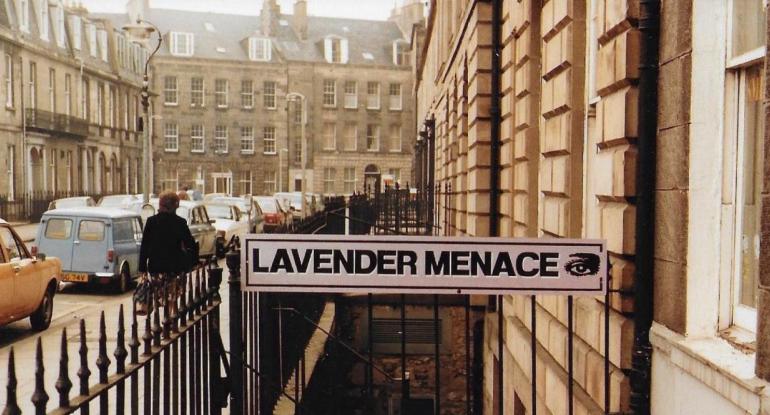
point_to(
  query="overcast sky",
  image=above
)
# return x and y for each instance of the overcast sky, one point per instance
(360, 9)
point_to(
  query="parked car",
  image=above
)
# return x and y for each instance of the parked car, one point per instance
(272, 215)
(211, 196)
(227, 221)
(294, 202)
(72, 202)
(283, 205)
(28, 283)
(250, 211)
(198, 221)
(95, 244)
(117, 201)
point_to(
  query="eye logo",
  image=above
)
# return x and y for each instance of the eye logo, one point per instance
(582, 265)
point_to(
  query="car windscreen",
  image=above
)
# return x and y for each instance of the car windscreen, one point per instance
(268, 205)
(58, 228)
(91, 230)
(219, 211)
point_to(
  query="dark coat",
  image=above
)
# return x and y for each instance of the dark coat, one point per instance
(165, 238)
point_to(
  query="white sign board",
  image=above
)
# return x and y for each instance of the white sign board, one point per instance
(423, 264)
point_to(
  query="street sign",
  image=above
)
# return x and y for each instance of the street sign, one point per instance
(423, 265)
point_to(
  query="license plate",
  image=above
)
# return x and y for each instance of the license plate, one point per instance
(75, 277)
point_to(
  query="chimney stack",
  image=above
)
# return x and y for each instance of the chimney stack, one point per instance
(299, 19)
(271, 13)
(412, 12)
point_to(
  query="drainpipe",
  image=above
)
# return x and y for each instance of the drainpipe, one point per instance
(645, 205)
(494, 113)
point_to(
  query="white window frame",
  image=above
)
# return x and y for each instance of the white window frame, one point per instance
(45, 29)
(170, 90)
(170, 137)
(247, 140)
(218, 94)
(376, 136)
(99, 103)
(103, 45)
(221, 138)
(348, 181)
(395, 102)
(330, 91)
(269, 182)
(67, 94)
(342, 57)
(182, 44)
(9, 88)
(76, 28)
(24, 15)
(197, 137)
(260, 49)
(93, 50)
(346, 137)
(330, 174)
(351, 95)
(372, 99)
(52, 90)
(33, 85)
(400, 137)
(111, 106)
(194, 91)
(268, 140)
(400, 53)
(326, 143)
(268, 95)
(247, 94)
(60, 31)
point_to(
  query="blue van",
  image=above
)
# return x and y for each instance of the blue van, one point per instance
(95, 245)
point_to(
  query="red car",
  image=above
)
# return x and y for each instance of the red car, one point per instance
(272, 215)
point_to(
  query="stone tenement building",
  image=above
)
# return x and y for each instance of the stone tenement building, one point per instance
(223, 122)
(70, 89)
(577, 127)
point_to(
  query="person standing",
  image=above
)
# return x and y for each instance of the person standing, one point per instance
(168, 248)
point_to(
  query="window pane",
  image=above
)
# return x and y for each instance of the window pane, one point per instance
(748, 26)
(91, 230)
(58, 229)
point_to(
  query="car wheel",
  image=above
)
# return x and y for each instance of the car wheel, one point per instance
(124, 280)
(41, 318)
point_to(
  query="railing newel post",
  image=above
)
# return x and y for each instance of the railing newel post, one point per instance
(63, 382)
(103, 363)
(120, 360)
(39, 397)
(11, 404)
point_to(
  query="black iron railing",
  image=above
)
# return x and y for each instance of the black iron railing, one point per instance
(46, 121)
(30, 206)
(171, 361)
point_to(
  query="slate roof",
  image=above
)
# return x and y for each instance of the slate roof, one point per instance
(231, 31)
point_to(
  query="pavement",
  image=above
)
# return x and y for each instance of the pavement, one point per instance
(70, 306)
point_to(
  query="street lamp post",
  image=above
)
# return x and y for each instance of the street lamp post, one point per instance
(292, 97)
(143, 30)
(280, 167)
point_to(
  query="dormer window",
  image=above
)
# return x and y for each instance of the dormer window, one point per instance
(336, 49)
(400, 53)
(92, 39)
(43, 19)
(24, 15)
(76, 30)
(182, 44)
(259, 49)
(60, 33)
(103, 44)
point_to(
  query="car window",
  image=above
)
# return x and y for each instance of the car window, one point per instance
(196, 216)
(91, 230)
(137, 224)
(122, 231)
(57, 228)
(15, 251)
(204, 215)
(236, 213)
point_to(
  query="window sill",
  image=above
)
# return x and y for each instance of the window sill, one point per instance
(197, 151)
(269, 153)
(247, 152)
(396, 109)
(372, 109)
(394, 151)
(168, 104)
(271, 108)
(351, 108)
(171, 151)
(714, 362)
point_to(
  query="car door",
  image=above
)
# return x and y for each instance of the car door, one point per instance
(27, 274)
(208, 233)
(124, 243)
(55, 240)
(136, 223)
(6, 286)
(89, 250)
